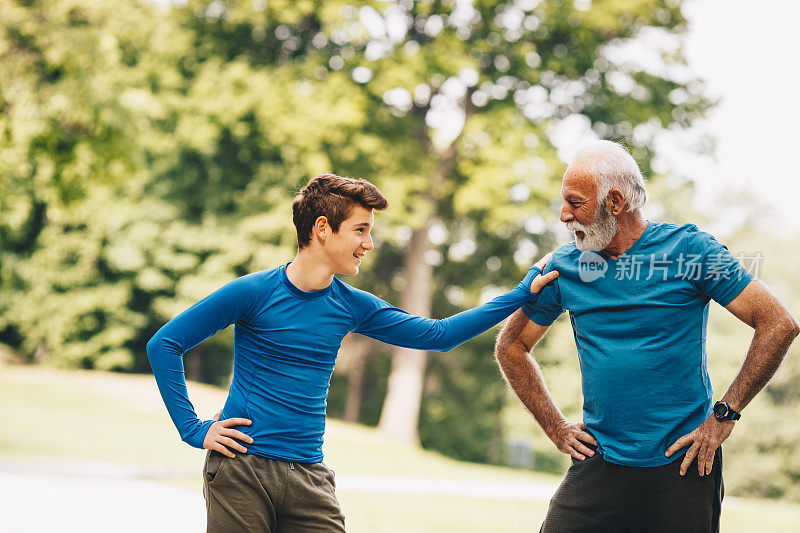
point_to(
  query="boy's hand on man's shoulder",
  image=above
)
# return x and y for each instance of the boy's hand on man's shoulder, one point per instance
(540, 280)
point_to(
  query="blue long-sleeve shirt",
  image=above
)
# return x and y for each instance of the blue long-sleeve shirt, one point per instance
(285, 347)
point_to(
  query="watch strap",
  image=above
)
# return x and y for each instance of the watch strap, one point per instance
(730, 414)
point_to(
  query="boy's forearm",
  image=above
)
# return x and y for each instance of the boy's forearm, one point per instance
(166, 361)
(166, 349)
(397, 327)
(465, 325)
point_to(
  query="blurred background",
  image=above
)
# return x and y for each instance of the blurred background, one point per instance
(149, 153)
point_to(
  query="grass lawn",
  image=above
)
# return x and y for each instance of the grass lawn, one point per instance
(77, 416)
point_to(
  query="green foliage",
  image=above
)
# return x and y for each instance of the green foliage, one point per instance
(461, 409)
(149, 155)
(512, 72)
(761, 450)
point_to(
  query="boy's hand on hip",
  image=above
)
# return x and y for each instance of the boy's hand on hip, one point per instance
(220, 436)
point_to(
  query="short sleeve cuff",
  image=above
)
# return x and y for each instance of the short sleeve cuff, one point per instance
(727, 296)
(538, 317)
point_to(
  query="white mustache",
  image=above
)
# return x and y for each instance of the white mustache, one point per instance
(573, 225)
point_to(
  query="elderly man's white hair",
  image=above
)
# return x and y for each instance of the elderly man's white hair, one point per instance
(615, 169)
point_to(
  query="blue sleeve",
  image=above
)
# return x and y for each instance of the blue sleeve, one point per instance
(718, 274)
(384, 322)
(547, 308)
(215, 312)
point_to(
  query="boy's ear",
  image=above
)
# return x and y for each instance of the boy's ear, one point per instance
(321, 228)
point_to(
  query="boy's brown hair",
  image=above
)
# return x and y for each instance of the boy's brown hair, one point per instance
(333, 197)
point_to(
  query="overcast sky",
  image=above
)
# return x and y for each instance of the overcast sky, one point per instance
(748, 53)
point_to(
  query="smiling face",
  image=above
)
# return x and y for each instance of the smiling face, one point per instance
(590, 219)
(344, 249)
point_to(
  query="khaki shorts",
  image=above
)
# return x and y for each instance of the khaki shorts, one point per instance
(257, 494)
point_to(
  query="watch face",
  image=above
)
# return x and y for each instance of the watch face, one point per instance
(720, 410)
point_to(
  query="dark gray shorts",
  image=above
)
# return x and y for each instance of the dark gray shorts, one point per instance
(253, 493)
(598, 496)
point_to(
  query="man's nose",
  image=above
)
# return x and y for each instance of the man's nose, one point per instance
(566, 213)
(367, 244)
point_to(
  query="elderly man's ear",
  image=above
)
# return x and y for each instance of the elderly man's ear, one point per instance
(615, 202)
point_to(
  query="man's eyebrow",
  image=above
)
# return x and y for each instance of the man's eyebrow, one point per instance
(362, 224)
(573, 196)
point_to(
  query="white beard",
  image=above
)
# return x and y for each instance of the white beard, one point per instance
(598, 235)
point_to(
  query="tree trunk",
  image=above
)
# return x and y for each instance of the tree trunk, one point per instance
(494, 452)
(42, 353)
(354, 349)
(193, 364)
(400, 413)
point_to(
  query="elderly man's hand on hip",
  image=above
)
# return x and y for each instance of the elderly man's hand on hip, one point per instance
(704, 443)
(567, 437)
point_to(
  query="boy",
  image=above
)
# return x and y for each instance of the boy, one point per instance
(290, 321)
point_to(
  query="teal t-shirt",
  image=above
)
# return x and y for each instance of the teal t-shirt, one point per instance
(640, 329)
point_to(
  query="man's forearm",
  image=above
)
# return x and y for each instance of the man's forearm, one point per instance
(770, 343)
(524, 377)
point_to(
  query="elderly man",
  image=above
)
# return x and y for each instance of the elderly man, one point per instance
(647, 455)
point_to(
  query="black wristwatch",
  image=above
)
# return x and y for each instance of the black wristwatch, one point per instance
(723, 411)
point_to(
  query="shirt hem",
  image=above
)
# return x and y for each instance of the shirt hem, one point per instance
(268, 455)
(644, 464)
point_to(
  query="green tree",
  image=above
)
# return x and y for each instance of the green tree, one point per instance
(70, 83)
(476, 87)
(198, 122)
(457, 98)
